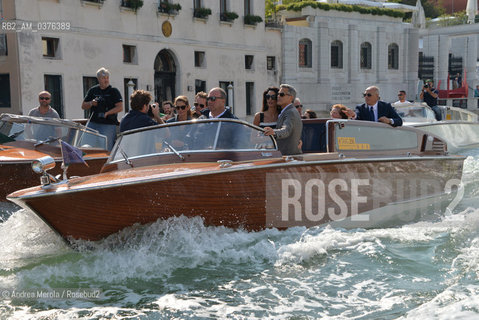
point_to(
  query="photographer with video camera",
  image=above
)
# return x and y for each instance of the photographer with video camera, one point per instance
(429, 95)
(105, 102)
(138, 116)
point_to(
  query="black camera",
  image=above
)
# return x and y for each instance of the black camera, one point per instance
(150, 112)
(426, 86)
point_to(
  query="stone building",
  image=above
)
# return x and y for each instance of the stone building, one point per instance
(58, 45)
(332, 56)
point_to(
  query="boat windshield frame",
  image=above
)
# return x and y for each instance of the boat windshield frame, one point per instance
(117, 156)
(77, 134)
(430, 115)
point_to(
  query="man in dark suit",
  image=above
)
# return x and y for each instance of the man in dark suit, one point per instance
(375, 110)
(289, 126)
(216, 101)
(204, 134)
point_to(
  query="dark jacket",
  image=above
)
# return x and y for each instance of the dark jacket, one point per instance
(227, 114)
(384, 110)
(135, 119)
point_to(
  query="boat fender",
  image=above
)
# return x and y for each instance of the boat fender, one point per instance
(341, 156)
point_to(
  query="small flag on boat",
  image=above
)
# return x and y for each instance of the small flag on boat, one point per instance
(71, 154)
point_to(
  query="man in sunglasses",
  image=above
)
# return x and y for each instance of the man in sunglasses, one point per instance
(299, 107)
(429, 94)
(44, 109)
(375, 110)
(289, 126)
(402, 99)
(217, 105)
(200, 104)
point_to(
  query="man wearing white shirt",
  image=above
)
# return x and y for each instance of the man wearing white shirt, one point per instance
(402, 99)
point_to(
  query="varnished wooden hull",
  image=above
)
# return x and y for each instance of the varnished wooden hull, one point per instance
(16, 165)
(16, 176)
(246, 195)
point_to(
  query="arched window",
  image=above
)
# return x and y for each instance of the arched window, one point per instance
(393, 56)
(337, 54)
(305, 50)
(366, 58)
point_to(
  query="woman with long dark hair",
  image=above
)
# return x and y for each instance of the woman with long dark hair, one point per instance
(270, 111)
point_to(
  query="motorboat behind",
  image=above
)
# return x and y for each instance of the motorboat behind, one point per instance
(459, 129)
(24, 139)
(229, 174)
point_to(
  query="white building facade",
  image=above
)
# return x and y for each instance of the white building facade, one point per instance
(332, 56)
(168, 54)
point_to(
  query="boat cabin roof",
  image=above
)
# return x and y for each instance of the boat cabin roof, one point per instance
(360, 138)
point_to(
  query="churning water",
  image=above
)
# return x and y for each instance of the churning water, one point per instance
(180, 269)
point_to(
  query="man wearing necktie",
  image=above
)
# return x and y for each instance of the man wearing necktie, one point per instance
(375, 110)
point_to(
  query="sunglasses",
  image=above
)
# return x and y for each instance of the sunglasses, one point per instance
(400, 95)
(44, 98)
(299, 106)
(200, 105)
(270, 96)
(367, 94)
(180, 107)
(282, 94)
(213, 98)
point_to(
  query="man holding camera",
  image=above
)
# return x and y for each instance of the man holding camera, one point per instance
(138, 116)
(429, 95)
(105, 102)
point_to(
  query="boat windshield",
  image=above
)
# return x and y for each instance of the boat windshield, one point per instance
(415, 113)
(192, 136)
(49, 132)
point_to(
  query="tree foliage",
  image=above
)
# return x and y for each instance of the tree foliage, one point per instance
(432, 8)
(299, 5)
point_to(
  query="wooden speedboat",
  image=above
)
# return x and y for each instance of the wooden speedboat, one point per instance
(459, 129)
(24, 139)
(227, 172)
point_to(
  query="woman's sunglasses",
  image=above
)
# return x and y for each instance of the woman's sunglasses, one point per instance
(199, 104)
(270, 96)
(180, 107)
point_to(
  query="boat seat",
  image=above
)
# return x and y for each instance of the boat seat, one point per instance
(314, 136)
